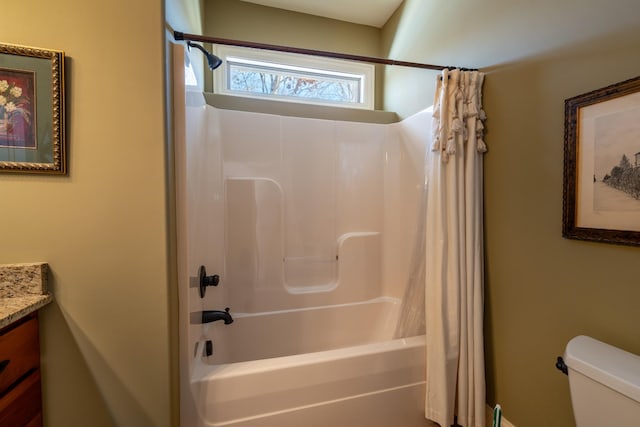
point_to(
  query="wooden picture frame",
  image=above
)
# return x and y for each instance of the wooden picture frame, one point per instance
(32, 138)
(601, 191)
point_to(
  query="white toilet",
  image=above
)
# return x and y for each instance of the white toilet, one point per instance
(604, 383)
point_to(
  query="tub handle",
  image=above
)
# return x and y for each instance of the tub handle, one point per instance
(206, 280)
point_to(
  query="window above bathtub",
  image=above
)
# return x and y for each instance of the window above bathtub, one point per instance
(254, 73)
(190, 79)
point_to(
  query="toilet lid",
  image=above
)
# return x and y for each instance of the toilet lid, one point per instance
(609, 365)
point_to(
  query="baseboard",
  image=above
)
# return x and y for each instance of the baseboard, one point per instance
(489, 423)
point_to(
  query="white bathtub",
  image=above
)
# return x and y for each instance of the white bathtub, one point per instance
(323, 366)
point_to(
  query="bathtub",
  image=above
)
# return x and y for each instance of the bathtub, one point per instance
(333, 365)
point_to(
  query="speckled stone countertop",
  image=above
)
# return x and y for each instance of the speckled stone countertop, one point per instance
(23, 290)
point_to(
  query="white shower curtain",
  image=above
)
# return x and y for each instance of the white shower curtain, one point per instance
(455, 384)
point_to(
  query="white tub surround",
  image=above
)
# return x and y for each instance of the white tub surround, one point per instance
(257, 336)
(379, 384)
(309, 225)
(311, 366)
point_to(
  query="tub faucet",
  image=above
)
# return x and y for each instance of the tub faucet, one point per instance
(209, 316)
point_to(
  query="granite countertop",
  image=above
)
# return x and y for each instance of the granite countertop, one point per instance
(23, 290)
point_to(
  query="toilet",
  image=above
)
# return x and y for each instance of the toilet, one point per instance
(604, 382)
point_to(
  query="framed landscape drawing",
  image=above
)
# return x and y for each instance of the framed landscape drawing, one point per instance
(601, 194)
(32, 110)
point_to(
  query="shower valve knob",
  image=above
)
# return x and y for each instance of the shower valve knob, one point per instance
(207, 280)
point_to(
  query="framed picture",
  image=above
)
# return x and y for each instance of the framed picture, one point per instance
(32, 110)
(601, 197)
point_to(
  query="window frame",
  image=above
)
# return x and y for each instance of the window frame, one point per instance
(329, 65)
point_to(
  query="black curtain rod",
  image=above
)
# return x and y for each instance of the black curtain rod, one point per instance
(215, 40)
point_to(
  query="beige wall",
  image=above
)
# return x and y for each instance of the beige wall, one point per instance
(251, 22)
(541, 289)
(102, 228)
(239, 20)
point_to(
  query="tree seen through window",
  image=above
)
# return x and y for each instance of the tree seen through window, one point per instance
(278, 83)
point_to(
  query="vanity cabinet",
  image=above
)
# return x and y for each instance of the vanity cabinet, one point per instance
(20, 390)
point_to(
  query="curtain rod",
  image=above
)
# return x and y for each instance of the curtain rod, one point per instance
(215, 40)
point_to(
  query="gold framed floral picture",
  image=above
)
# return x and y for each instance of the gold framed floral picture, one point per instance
(602, 165)
(32, 138)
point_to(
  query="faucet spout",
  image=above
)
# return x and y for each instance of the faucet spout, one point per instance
(209, 316)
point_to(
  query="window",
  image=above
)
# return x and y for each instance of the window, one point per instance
(296, 78)
(189, 75)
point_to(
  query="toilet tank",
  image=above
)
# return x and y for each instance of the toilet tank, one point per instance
(604, 383)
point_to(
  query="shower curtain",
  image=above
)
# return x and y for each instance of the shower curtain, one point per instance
(455, 384)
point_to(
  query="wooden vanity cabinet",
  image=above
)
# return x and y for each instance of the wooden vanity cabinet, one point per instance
(20, 390)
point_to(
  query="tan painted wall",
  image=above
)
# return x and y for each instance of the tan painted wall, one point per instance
(247, 21)
(102, 229)
(240, 20)
(541, 289)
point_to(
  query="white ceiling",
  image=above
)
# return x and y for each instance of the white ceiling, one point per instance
(368, 12)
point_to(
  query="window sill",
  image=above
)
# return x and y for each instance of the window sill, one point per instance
(294, 109)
